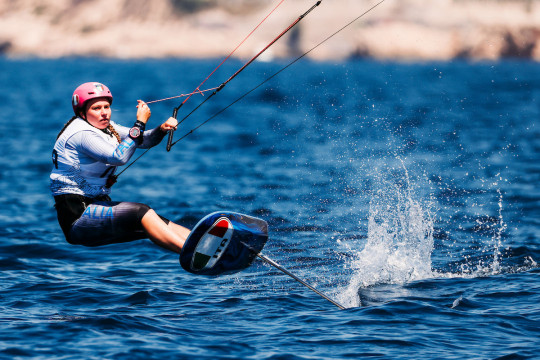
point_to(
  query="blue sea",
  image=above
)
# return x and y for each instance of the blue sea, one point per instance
(407, 192)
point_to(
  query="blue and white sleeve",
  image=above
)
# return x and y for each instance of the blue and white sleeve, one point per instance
(152, 137)
(94, 146)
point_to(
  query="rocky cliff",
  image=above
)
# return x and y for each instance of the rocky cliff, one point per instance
(396, 29)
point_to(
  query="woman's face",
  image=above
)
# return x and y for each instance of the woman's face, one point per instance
(99, 113)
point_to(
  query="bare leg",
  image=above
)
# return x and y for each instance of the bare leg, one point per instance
(170, 237)
(179, 230)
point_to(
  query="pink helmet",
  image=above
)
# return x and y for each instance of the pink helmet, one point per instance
(88, 91)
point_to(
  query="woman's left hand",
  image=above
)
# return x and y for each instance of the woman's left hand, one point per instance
(170, 124)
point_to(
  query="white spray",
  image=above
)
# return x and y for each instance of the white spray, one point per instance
(399, 241)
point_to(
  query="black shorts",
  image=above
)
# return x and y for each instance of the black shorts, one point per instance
(92, 222)
(109, 222)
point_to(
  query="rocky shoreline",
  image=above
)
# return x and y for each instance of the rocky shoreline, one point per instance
(410, 30)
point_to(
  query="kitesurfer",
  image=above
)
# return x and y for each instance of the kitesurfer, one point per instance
(85, 156)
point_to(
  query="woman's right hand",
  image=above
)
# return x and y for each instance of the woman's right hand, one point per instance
(143, 112)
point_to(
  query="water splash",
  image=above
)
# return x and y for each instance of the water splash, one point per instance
(399, 241)
(498, 237)
(487, 232)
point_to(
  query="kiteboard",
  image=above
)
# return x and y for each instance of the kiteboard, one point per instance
(226, 242)
(222, 243)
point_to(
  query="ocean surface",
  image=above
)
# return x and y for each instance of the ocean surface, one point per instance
(407, 192)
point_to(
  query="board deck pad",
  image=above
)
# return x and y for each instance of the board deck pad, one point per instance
(219, 243)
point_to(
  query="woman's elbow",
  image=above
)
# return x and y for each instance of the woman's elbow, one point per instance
(117, 161)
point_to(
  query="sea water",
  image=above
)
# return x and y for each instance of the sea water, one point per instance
(406, 192)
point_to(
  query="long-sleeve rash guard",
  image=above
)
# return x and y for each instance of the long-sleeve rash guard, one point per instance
(84, 157)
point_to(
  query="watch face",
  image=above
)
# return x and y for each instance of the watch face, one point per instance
(134, 132)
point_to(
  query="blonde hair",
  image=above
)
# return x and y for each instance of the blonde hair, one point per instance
(113, 131)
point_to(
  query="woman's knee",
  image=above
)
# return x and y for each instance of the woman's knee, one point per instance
(154, 216)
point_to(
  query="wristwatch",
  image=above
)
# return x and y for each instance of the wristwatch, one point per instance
(136, 131)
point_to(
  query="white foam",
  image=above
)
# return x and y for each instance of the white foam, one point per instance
(399, 241)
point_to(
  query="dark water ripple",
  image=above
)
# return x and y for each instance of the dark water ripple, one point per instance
(408, 192)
